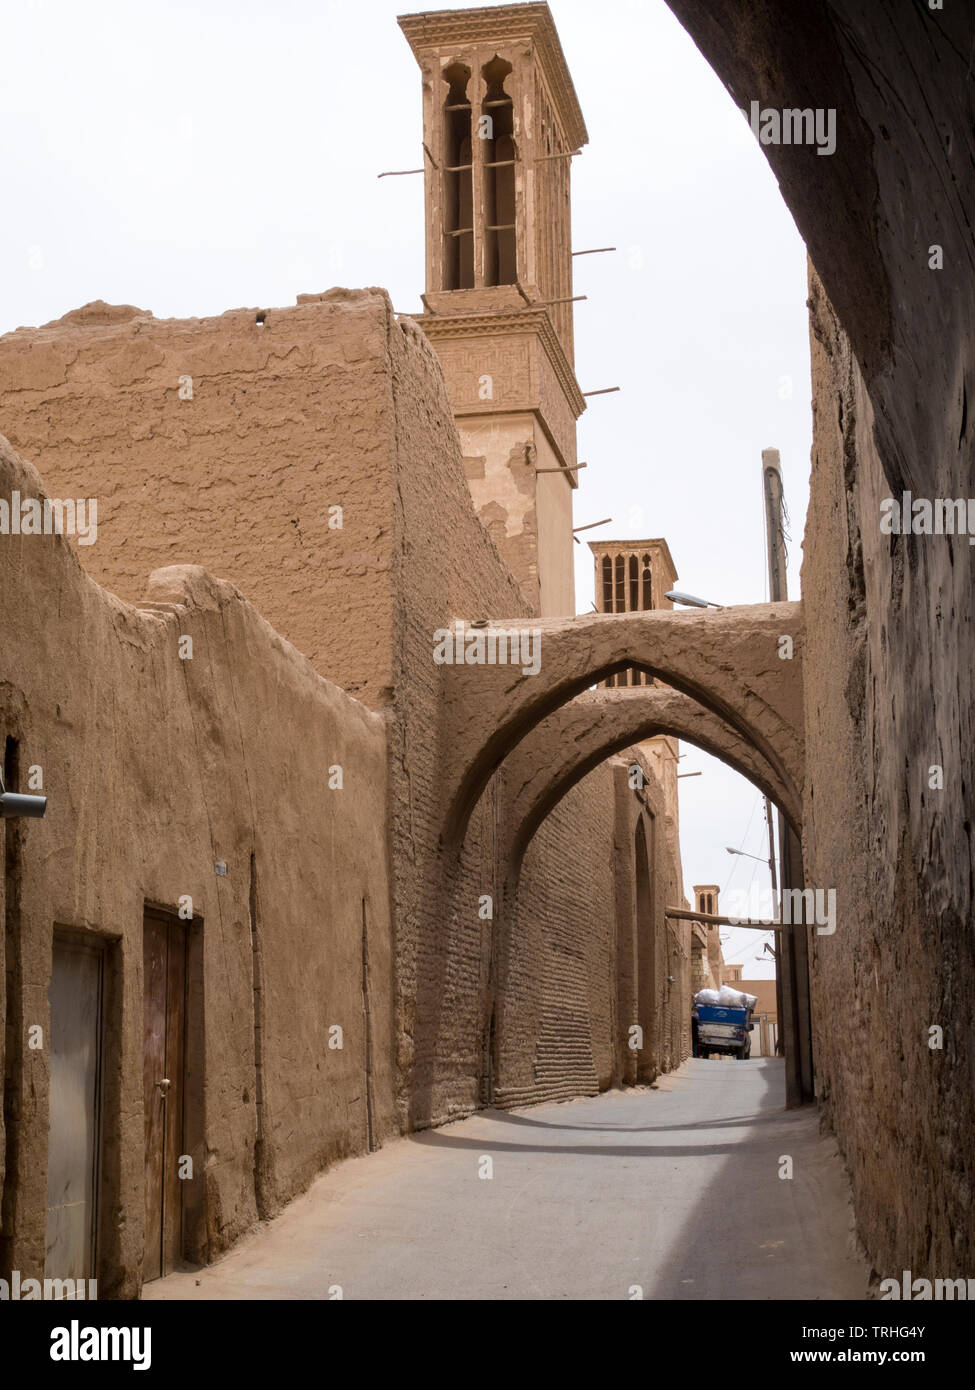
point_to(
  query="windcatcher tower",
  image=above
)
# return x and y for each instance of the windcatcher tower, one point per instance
(500, 124)
(632, 577)
(707, 962)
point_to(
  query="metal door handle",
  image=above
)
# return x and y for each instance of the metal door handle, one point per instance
(164, 1086)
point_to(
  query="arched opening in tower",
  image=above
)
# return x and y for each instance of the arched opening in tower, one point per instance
(497, 122)
(458, 182)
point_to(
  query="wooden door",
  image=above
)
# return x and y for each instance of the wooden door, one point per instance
(164, 964)
(73, 1112)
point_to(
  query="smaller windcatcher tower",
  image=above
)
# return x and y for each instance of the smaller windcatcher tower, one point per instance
(706, 898)
(632, 577)
(707, 962)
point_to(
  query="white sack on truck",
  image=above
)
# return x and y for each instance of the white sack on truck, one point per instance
(728, 998)
(707, 996)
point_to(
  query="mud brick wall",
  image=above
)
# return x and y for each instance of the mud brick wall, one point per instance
(580, 944)
(288, 417)
(559, 1007)
(156, 768)
(889, 619)
(889, 626)
(445, 951)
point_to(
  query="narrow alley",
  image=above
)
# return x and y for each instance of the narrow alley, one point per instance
(669, 1192)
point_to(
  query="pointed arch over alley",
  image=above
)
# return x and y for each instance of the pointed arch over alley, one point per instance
(742, 665)
(594, 726)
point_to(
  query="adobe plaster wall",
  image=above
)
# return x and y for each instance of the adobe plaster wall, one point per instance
(288, 418)
(156, 768)
(889, 644)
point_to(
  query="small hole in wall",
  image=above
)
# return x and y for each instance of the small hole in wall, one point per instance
(261, 317)
(964, 416)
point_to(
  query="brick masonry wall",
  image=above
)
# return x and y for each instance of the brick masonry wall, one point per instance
(567, 885)
(577, 948)
(559, 1006)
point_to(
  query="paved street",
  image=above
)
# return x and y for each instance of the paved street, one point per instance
(675, 1189)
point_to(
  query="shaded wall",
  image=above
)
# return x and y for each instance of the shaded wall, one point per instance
(890, 649)
(586, 954)
(889, 620)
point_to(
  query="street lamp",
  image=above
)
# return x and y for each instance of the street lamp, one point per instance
(690, 600)
(769, 862)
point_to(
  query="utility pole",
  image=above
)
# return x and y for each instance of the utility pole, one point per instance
(792, 957)
(777, 913)
(771, 858)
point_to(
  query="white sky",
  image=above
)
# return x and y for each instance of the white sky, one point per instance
(193, 158)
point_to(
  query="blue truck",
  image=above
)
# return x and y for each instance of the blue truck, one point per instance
(723, 1030)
